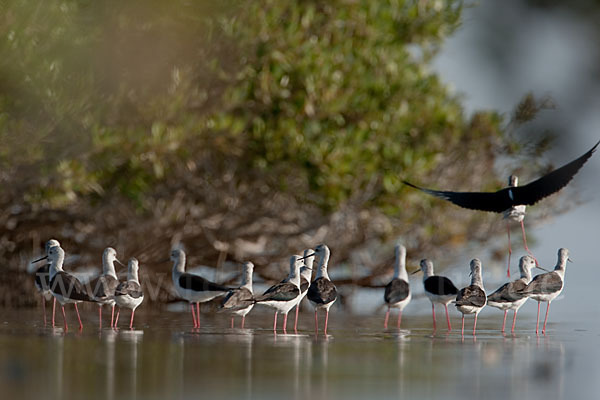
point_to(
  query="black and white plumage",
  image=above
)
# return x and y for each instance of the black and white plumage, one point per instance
(322, 293)
(42, 281)
(240, 301)
(509, 296)
(284, 295)
(65, 287)
(472, 299)
(397, 292)
(129, 294)
(103, 287)
(438, 289)
(512, 200)
(305, 275)
(546, 287)
(193, 288)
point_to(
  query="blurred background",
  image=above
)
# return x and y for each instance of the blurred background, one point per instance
(254, 130)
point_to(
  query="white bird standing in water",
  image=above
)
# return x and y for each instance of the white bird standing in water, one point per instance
(472, 299)
(240, 301)
(322, 293)
(397, 292)
(129, 294)
(42, 282)
(103, 287)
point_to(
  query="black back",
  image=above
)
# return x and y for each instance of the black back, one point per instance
(238, 298)
(42, 277)
(544, 283)
(509, 292)
(199, 284)
(130, 288)
(472, 295)
(69, 287)
(304, 284)
(396, 291)
(285, 291)
(440, 285)
(521, 195)
(104, 286)
(322, 291)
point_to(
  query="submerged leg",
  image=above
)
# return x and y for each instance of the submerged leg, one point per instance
(433, 313)
(462, 331)
(504, 321)
(475, 324)
(537, 321)
(296, 319)
(285, 323)
(100, 316)
(316, 323)
(112, 315)
(546, 319)
(65, 318)
(275, 323)
(44, 308)
(117, 318)
(326, 320)
(243, 320)
(448, 318)
(198, 311)
(131, 320)
(53, 309)
(387, 316)
(194, 315)
(514, 321)
(399, 319)
(231, 322)
(78, 317)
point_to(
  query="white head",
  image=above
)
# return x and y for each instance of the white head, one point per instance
(513, 181)
(526, 264)
(476, 278)
(51, 243)
(109, 256)
(248, 270)
(295, 263)
(56, 255)
(427, 268)
(133, 267)
(323, 252)
(563, 257)
(178, 258)
(309, 257)
(400, 262)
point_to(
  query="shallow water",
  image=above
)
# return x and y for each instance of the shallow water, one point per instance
(165, 358)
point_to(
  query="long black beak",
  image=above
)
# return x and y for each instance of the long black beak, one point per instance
(117, 260)
(569, 260)
(310, 255)
(543, 269)
(415, 272)
(39, 259)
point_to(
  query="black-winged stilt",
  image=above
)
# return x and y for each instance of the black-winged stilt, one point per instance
(305, 275)
(322, 293)
(103, 287)
(472, 299)
(193, 288)
(512, 200)
(397, 292)
(42, 282)
(129, 294)
(439, 289)
(240, 301)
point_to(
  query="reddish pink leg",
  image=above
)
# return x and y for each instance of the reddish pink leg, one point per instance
(100, 316)
(243, 320)
(504, 321)
(448, 318)
(231, 322)
(546, 319)
(462, 331)
(117, 318)
(198, 312)
(131, 320)
(275, 323)
(78, 317)
(475, 325)
(514, 321)
(399, 319)
(285, 323)
(537, 322)
(509, 248)
(112, 317)
(65, 319)
(44, 308)
(194, 315)
(296, 319)
(53, 309)
(433, 313)
(387, 316)
(326, 320)
(316, 323)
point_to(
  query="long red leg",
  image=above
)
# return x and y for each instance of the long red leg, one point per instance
(194, 315)
(285, 323)
(448, 318)
(509, 248)
(475, 325)
(316, 323)
(462, 331)
(387, 316)
(399, 319)
(243, 320)
(78, 317)
(433, 313)
(53, 309)
(112, 317)
(546, 319)
(231, 322)
(275, 323)
(198, 311)
(537, 322)
(100, 316)
(326, 320)
(504, 321)
(117, 318)
(65, 318)
(514, 321)
(296, 319)
(131, 320)
(44, 308)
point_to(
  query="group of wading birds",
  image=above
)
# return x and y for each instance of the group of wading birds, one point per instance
(52, 280)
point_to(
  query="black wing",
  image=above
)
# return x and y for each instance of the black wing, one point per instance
(440, 285)
(552, 182)
(304, 285)
(199, 284)
(69, 287)
(281, 292)
(484, 201)
(42, 277)
(322, 291)
(544, 283)
(130, 288)
(509, 292)
(472, 295)
(395, 291)
(238, 298)
(104, 286)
